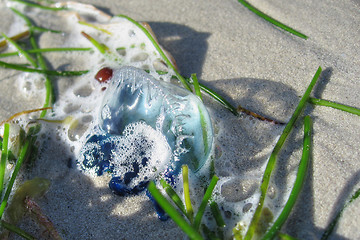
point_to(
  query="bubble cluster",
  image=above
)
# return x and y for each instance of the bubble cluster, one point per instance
(136, 155)
(127, 119)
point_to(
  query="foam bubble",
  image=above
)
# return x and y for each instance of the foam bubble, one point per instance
(142, 126)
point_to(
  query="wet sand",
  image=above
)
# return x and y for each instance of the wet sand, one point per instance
(257, 66)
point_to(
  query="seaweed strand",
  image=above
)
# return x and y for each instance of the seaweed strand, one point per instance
(205, 201)
(272, 20)
(42, 50)
(4, 156)
(169, 209)
(48, 72)
(329, 229)
(31, 4)
(173, 195)
(272, 160)
(161, 52)
(299, 181)
(189, 208)
(339, 106)
(25, 150)
(17, 230)
(21, 51)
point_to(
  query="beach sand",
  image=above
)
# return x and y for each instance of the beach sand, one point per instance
(255, 65)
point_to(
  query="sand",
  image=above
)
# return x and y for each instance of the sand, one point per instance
(257, 66)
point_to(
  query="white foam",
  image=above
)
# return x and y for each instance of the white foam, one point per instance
(141, 141)
(84, 109)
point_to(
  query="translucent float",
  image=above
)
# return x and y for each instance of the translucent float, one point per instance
(147, 128)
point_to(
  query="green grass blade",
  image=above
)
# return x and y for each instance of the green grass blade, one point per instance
(4, 156)
(41, 29)
(35, 5)
(205, 201)
(43, 50)
(17, 230)
(25, 18)
(161, 52)
(103, 49)
(49, 90)
(283, 236)
(65, 49)
(94, 26)
(219, 99)
(16, 37)
(171, 211)
(217, 214)
(339, 106)
(299, 181)
(329, 229)
(204, 128)
(189, 209)
(196, 85)
(49, 95)
(173, 195)
(208, 233)
(9, 54)
(22, 156)
(21, 51)
(272, 20)
(48, 72)
(215, 96)
(99, 46)
(272, 160)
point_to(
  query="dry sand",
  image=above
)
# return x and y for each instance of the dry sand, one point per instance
(252, 64)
